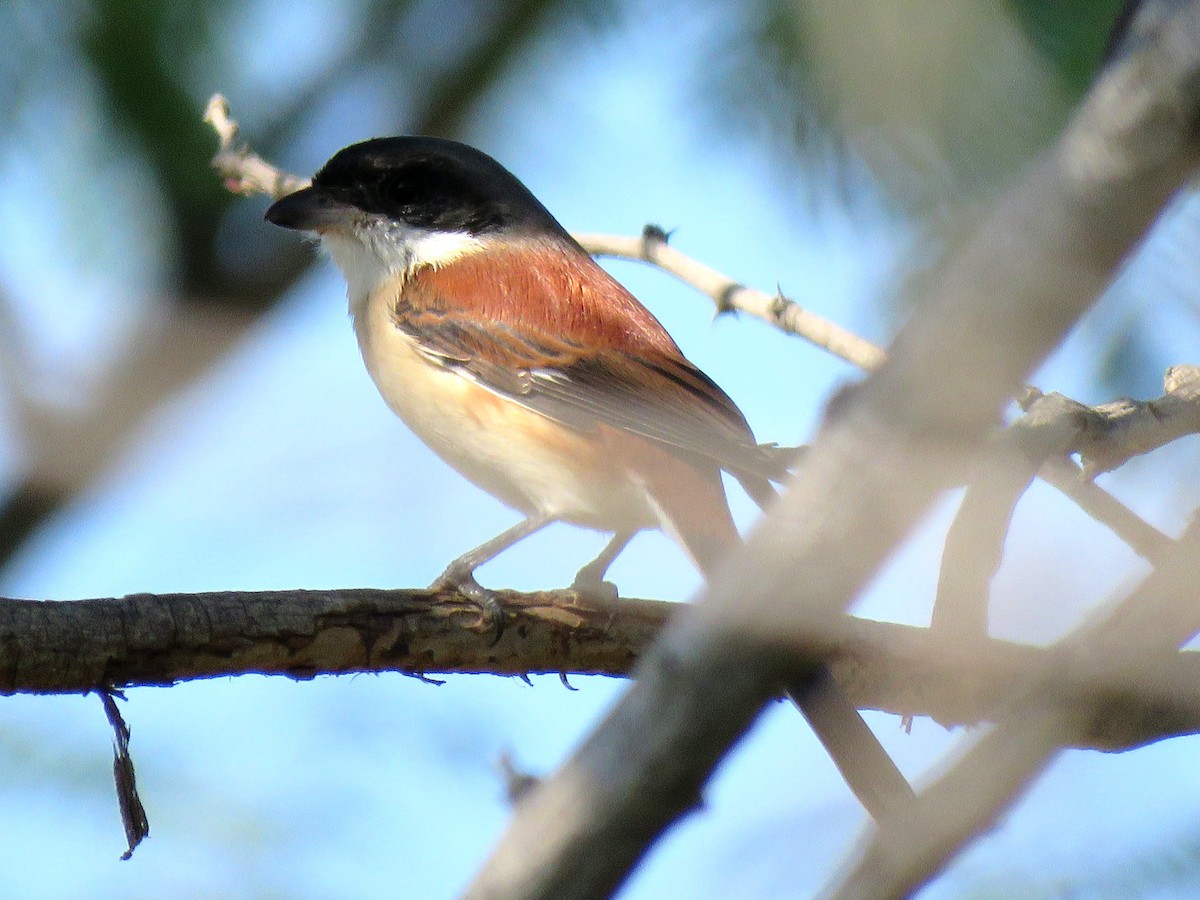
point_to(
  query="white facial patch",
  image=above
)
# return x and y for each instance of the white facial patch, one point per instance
(375, 250)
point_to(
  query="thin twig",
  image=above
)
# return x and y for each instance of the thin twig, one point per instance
(728, 295)
(1143, 538)
(244, 171)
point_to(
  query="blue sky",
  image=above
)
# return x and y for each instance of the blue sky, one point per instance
(282, 468)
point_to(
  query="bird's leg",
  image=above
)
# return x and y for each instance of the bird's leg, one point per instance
(590, 580)
(460, 574)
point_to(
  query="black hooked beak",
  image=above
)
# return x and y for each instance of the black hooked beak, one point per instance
(308, 209)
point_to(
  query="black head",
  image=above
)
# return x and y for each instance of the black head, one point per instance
(428, 183)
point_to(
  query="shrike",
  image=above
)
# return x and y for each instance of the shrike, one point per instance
(528, 368)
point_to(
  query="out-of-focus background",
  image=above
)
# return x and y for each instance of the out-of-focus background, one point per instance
(182, 408)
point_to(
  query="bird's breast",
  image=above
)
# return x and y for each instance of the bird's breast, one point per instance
(525, 459)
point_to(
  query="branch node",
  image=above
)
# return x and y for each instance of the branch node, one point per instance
(779, 304)
(1027, 396)
(654, 237)
(724, 299)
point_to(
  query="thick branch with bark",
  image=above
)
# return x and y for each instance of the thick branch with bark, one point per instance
(161, 639)
(153, 640)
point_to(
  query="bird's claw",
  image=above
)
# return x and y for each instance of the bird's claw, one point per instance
(486, 602)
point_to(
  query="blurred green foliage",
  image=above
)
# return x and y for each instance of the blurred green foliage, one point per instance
(940, 101)
(1072, 34)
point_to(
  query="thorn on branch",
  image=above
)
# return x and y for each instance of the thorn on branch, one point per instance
(724, 299)
(779, 304)
(655, 235)
(425, 679)
(654, 238)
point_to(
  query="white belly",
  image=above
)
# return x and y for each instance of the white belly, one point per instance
(521, 457)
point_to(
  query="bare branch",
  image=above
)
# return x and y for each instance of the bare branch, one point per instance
(147, 639)
(1053, 427)
(245, 172)
(776, 309)
(1112, 433)
(152, 640)
(974, 544)
(1151, 622)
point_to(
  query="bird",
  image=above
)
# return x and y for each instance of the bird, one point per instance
(527, 367)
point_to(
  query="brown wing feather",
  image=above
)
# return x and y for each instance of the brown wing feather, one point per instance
(559, 335)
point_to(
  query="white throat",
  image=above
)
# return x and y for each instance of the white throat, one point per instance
(376, 251)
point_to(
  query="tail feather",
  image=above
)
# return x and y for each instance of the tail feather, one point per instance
(777, 463)
(699, 520)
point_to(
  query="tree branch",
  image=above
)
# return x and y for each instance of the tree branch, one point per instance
(244, 171)
(147, 639)
(154, 640)
(728, 295)
(1031, 728)
(1053, 427)
(1110, 434)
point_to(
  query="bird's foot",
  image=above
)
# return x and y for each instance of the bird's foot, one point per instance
(592, 586)
(486, 602)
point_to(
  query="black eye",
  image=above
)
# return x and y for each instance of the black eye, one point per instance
(402, 191)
